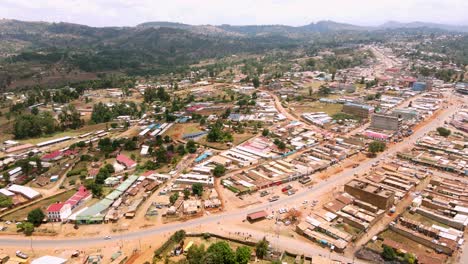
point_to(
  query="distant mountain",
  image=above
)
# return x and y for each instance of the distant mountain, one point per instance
(327, 26)
(417, 24)
(258, 30)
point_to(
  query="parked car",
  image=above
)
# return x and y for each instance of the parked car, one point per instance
(21, 254)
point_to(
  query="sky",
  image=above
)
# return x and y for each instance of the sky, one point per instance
(101, 13)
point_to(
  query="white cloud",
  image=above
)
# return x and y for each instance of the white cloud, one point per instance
(240, 12)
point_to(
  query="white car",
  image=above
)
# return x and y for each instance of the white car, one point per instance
(107, 238)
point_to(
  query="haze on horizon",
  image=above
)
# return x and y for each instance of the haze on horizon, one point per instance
(101, 13)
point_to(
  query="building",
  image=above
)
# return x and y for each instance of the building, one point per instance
(58, 212)
(420, 86)
(359, 110)
(385, 122)
(126, 161)
(79, 197)
(27, 192)
(49, 260)
(370, 193)
(53, 156)
(405, 113)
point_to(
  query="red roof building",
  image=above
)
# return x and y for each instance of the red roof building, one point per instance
(70, 152)
(126, 161)
(256, 216)
(148, 173)
(58, 212)
(81, 195)
(55, 155)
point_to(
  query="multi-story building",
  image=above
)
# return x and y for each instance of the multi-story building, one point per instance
(385, 122)
(370, 193)
(359, 110)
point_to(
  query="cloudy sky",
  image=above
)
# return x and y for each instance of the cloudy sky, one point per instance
(239, 12)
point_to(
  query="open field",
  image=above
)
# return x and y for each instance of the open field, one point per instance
(304, 107)
(411, 246)
(178, 130)
(19, 215)
(238, 139)
(423, 220)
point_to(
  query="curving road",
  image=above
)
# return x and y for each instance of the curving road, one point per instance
(315, 191)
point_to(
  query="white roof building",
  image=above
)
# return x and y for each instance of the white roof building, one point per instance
(25, 191)
(49, 260)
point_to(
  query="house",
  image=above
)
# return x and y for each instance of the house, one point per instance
(55, 155)
(126, 161)
(58, 212)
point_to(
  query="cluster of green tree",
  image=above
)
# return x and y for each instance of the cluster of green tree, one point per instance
(389, 254)
(446, 75)
(371, 97)
(70, 118)
(324, 90)
(30, 125)
(217, 133)
(5, 201)
(219, 170)
(197, 190)
(153, 94)
(107, 145)
(444, 131)
(103, 113)
(34, 219)
(104, 173)
(62, 96)
(218, 253)
(280, 144)
(376, 146)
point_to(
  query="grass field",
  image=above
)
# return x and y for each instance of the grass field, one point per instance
(423, 220)
(410, 245)
(304, 107)
(238, 139)
(178, 130)
(19, 215)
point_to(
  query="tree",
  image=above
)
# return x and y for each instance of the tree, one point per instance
(324, 90)
(221, 253)
(36, 217)
(376, 146)
(197, 189)
(101, 113)
(219, 170)
(186, 194)
(26, 227)
(5, 201)
(265, 132)
(191, 146)
(409, 258)
(173, 198)
(243, 255)
(196, 254)
(388, 253)
(261, 249)
(35, 111)
(181, 150)
(256, 82)
(444, 131)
